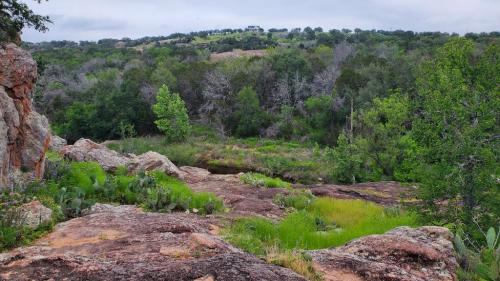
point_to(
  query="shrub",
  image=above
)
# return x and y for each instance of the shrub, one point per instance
(260, 180)
(298, 199)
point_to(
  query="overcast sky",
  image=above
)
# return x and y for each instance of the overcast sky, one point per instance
(96, 19)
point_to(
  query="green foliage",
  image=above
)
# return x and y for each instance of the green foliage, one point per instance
(324, 223)
(260, 180)
(297, 199)
(171, 112)
(346, 160)
(457, 129)
(248, 116)
(482, 263)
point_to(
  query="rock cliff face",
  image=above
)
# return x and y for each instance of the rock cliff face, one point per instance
(24, 134)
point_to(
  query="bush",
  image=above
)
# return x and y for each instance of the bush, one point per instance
(260, 180)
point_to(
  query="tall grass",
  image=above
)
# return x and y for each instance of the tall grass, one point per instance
(325, 223)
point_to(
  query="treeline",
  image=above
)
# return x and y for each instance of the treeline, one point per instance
(308, 94)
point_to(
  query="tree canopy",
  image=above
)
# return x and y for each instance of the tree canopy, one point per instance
(14, 16)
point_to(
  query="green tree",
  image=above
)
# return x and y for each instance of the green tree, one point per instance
(458, 130)
(171, 111)
(14, 16)
(248, 117)
(383, 135)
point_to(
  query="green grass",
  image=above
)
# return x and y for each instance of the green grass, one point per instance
(325, 223)
(293, 161)
(260, 180)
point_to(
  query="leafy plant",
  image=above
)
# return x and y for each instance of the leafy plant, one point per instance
(479, 263)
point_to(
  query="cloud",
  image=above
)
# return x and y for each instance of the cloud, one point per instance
(96, 19)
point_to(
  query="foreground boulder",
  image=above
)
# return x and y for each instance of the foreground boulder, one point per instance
(24, 134)
(123, 243)
(402, 254)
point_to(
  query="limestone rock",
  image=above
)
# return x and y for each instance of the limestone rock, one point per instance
(402, 254)
(126, 244)
(24, 134)
(33, 214)
(57, 143)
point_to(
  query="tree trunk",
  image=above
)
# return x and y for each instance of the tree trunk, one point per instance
(351, 121)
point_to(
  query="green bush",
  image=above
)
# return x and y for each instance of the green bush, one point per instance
(260, 180)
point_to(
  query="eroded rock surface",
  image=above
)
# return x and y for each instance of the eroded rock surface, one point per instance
(385, 193)
(402, 254)
(57, 143)
(123, 243)
(33, 214)
(243, 199)
(24, 134)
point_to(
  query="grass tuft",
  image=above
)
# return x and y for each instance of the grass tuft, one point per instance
(260, 180)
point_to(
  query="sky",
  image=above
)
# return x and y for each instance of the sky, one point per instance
(96, 19)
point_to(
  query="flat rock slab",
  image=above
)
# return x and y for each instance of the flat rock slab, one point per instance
(123, 243)
(242, 199)
(385, 193)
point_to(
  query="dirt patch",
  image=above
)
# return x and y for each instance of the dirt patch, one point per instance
(215, 57)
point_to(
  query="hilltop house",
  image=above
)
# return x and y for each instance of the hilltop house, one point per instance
(254, 28)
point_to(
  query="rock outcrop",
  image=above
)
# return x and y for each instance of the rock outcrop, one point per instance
(110, 160)
(24, 134)
(402, 254)
(123, 243)
(57, 143)
(33, 214)
(87, 150)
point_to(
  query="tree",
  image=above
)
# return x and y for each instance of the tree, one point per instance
(171, 111)
(248, 117)
(383, 136)
(14, 16)
(457, 126)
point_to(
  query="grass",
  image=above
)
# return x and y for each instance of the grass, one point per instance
(325, 223)
(72, 187)
(260, 180)
(293, 161)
